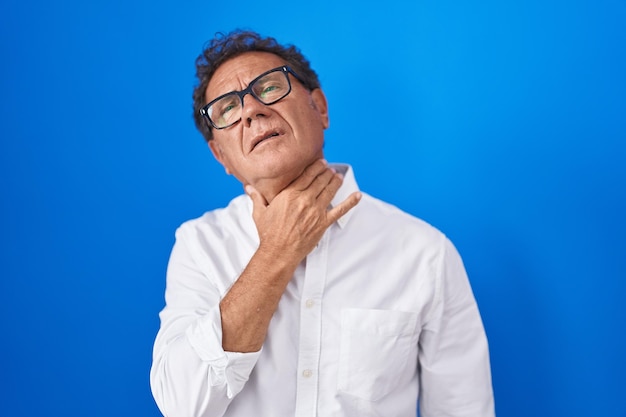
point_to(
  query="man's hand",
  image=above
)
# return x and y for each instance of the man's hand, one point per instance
(298, 216)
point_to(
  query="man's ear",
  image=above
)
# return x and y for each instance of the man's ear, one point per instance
(319, 100)
(217, 152)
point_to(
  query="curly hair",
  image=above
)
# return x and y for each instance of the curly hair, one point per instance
(224, 47)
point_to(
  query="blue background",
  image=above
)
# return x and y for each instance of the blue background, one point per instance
(505, 128)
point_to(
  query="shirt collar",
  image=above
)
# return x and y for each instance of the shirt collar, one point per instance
(348, 187)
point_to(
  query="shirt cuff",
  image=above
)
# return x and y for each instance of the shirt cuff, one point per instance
(230, 369)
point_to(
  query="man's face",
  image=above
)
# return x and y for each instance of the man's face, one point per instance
(270, 143)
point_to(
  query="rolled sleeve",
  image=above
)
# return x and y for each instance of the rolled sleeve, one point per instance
(229, 369)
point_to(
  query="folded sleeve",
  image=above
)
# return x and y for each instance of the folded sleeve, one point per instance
(191, 375)
(455, 374)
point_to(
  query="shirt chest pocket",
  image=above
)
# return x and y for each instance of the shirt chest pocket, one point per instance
(378, 351)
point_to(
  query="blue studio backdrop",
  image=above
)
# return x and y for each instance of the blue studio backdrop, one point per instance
(505, 129)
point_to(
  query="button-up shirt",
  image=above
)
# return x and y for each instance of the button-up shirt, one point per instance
(379, 317)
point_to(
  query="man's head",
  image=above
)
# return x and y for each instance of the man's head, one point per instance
(271, 126)
(225, 47)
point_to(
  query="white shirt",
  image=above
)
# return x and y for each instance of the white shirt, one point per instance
(379, 314)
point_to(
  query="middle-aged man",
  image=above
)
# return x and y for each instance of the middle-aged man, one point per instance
(304, 296)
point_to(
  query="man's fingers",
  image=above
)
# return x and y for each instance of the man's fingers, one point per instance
(309, 175)
(345, 206)
(326, 181)
(330, 186)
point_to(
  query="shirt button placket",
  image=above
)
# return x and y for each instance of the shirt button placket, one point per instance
(310, 330)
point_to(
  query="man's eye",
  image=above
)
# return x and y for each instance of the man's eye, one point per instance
(268, 90)
(228, 108)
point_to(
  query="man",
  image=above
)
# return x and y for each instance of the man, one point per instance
(305, 297)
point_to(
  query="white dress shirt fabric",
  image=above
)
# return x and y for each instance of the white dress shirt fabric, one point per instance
(379, 314)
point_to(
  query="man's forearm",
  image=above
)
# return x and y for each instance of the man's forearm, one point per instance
(249, 305)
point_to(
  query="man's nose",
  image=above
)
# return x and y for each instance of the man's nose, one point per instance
(253, 109)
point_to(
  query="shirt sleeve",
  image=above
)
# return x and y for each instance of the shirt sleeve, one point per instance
(191, 374)
(455, 374)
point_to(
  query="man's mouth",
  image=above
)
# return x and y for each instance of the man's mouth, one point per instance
(262, 138)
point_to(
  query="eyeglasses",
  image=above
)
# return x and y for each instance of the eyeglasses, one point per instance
(268, 88)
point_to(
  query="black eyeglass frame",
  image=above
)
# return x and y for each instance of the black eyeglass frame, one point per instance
(248, 90)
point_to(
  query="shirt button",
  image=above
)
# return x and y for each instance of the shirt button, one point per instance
(309, 303)
(307, 373)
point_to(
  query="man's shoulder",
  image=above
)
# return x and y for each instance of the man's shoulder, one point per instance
(397, 221)
(234, 216)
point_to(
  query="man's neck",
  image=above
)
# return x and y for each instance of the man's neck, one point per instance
(271, 187)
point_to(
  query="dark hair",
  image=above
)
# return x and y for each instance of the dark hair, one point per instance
(225, 47)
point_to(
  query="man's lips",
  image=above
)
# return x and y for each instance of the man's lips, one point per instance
(263, 137)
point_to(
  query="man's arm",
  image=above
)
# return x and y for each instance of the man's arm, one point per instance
(289, 228)
(455, 374)
(207, 347)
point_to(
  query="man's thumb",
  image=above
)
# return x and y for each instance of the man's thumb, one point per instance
(257, 199)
